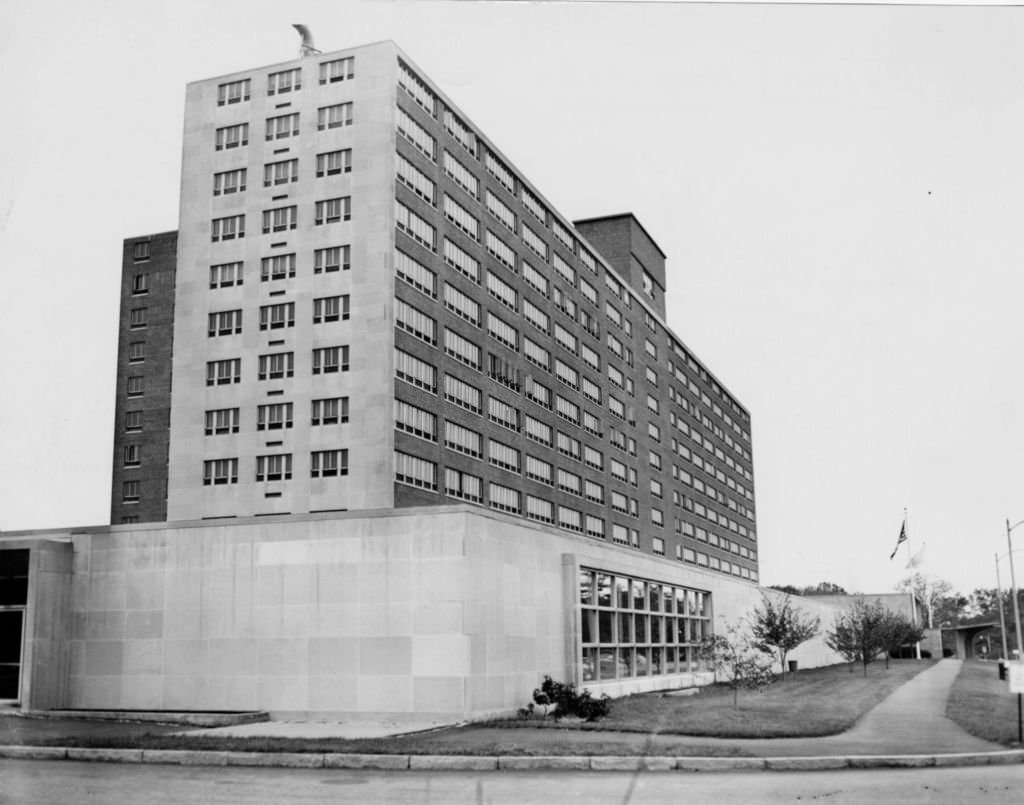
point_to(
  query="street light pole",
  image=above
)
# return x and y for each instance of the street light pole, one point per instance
(999, 600)
(1013, 587)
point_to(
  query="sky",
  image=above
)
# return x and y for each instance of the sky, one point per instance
(839, 191)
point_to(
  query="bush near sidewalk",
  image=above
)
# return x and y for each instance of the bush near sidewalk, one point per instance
(982, 704)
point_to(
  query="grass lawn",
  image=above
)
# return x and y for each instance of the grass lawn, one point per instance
(814, 702)
(982, 704)
(818, 701)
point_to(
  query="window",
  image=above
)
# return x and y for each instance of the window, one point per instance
(463, 394)
(504, 414)
(538, 392)
(460, 131)
(538, 470)
(461, 484)
(274, 317)
(233, 92)
(221, 420)
(565, 271)
(132, 455)
(532, 203)
(534, 278)
(539, 509)
(463, 440)
(283, 126)
(497, 169)
(461, 261)
(535, 242)
(567, 445)
(414, 226)
(224, 322)
(330, 308)
(136, 352)
(332, 117)
(417, 90)
(330, 359)
(537, 430)
(503, 455)
(462, 349)
(415, 471)
(415, 273)
(462, 305)
(502, 291)
(503, 498)
(329, 411)
(337, 70)
(222, 373)
(132, 421)
(140, 251)
(277, 365)
(135, 385)
(333, 258)
(130, 492)
(137, 318)
(570, 519)
(593, 457)
(414, 420)
(331, 163)
(232, 136)
(501, 211)
(332, 210)
(590, 389)
(228, 182)
(416, 134)
(284, 81)
(501, 251)
(274, 416)
(278, 267)
(280, 219)
(412, 370)
(328, 463)
(461, 217)
(569, 482)
(502, 331)
(535, 316)
(415, 179)
(566, 339)
(567, 375)
(594, 526)
(567, 410)
(274, 467)
(225, 275)
(461, 175)
(227, 228)
(220, 471)
(415, 322)
(283, 172)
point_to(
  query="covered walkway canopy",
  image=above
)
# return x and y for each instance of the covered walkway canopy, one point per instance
(965, 635)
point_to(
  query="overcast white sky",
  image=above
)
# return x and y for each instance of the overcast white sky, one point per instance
(839, 191)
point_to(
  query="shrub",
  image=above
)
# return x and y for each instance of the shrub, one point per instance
(561, 699)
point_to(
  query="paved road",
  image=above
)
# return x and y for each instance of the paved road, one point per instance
(37, 782)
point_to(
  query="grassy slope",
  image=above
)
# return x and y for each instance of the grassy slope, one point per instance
(982, 704)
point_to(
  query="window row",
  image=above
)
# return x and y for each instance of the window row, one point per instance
(275, 366)
(280, 127)
(284, 81)
(281, 266)
(276, 316)
(285, 171)
(281, 219)
(276, 467)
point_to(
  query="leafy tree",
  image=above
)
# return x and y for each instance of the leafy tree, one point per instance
(741, 663)
(824, 588)
(927, 589)
(788, 589)
(859, 634)
(898, 631)
(781, 627)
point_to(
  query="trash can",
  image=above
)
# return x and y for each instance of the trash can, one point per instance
(792, 665)
(1002, 669)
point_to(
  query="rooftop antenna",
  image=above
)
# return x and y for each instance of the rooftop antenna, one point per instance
(307, 48)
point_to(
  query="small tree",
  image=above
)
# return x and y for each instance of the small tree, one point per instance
(859, 635)
(897, 631)
(740, 662)
(781, 627)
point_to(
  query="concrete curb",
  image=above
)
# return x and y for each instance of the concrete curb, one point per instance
(634, 763)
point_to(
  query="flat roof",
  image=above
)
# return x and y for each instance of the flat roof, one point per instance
(623, 215)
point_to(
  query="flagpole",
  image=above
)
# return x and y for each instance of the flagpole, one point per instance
(913, 596)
